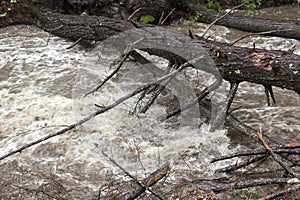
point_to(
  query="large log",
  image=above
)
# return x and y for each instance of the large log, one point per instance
(63, 25)
(236, 64)
(283, 28)
(269, 68)
(87, 28)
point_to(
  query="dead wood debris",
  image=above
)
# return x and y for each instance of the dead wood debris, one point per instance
(286, 155)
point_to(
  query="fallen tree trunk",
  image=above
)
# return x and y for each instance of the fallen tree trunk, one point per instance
(236, 64)
(67, 26)
(282, 28)
(268, 68)
(91, 28)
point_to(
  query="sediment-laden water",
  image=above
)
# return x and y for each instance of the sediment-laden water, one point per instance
(42, 88)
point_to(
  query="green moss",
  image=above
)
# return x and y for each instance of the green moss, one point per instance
(147, 19)
(3, 14)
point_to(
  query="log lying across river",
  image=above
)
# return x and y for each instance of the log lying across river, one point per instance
(236, 64)
(281, 28)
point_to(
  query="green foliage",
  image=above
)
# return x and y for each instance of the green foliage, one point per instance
(196, 15)
(8, 9)
(192, 19)
(212, 6)
(84, 13)
(251, 5)
(147, 19)
(3, 14)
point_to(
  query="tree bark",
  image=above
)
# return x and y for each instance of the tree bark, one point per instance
(283, 28)
(88, 28)
(235, 64)
(273, 68)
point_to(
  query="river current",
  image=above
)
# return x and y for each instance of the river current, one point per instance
(42, 88)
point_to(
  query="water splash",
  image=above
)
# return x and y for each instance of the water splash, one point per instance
(42, 88)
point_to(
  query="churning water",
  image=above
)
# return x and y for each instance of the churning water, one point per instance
(42, 91)
(42, 88)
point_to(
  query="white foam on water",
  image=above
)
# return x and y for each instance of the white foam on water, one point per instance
(42, 88)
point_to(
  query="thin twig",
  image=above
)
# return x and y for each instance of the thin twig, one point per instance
(108, 77)
(242, 164)
(281, 193)
(220, 18)
(134, 13)
(51, 30)
(157, 91)
(237, 124)
(197, 99)
(164, 20)
(146, 183)
(74, 43)
(248, 183)
(275, 156)
(256, 152)
(189, 104)
(259, 33)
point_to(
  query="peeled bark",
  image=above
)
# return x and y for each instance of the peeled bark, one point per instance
(271, 68)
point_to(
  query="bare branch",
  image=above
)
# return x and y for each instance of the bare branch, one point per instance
(220, 18)
(100, 111)
(275, 156)
(146, 183)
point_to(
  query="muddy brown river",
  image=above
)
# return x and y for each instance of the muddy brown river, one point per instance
(42, 88)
